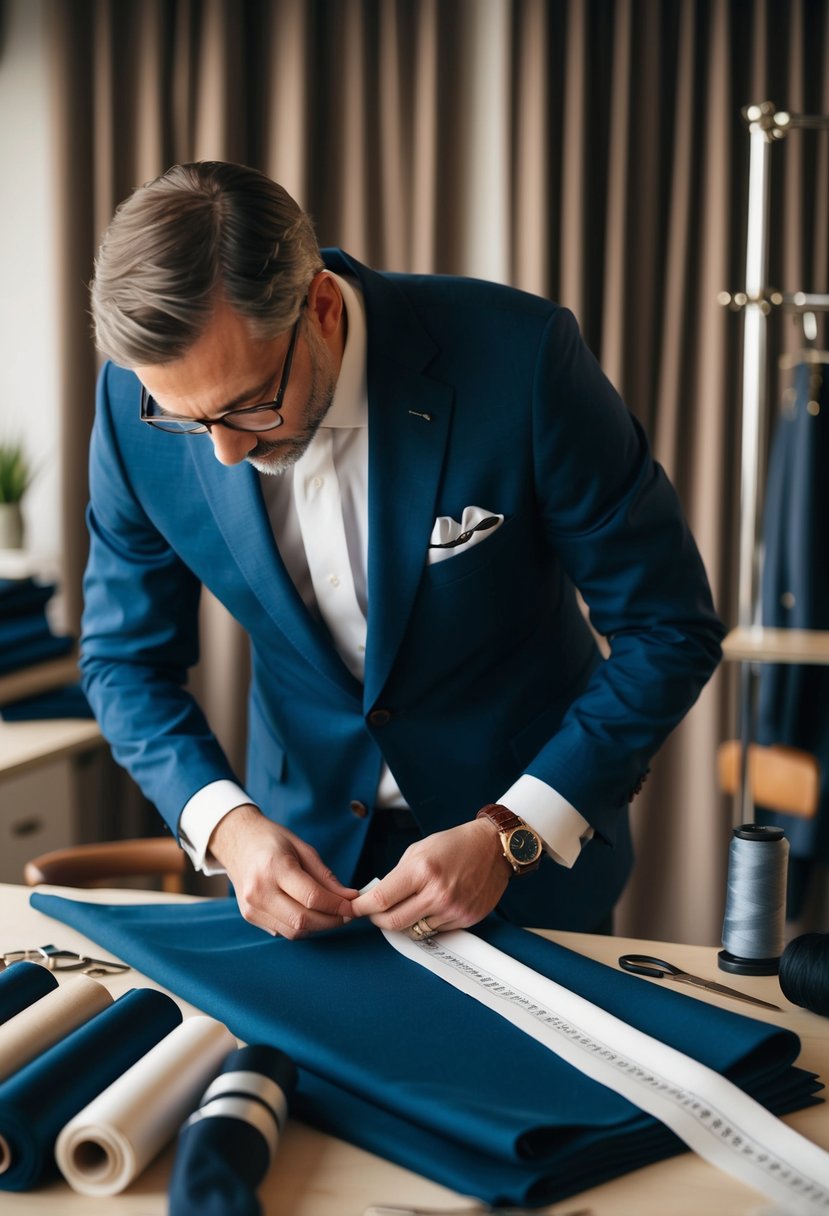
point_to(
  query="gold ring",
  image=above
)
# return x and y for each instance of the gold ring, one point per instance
(422, 929)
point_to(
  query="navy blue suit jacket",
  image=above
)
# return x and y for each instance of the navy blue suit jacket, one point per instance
(483, 661)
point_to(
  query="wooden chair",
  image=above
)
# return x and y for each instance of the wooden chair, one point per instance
(91, 865)
(782, 778)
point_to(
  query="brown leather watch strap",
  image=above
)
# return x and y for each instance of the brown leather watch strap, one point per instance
(501, 816)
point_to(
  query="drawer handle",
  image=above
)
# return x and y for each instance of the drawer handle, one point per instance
(27, 827)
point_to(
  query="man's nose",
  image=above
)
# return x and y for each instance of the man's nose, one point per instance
(231, 447)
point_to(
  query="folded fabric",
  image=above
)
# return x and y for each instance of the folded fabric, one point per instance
(34, 650)
(108, 1143)
(23, 597)
(41, 1098)
(67, 702)
(226, 1147)
(398, 1062)
(50, 1019)
(21, 984)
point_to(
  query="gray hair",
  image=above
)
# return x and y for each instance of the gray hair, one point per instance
(199, 234)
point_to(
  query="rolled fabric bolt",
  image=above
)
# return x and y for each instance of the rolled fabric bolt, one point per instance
(40, 1099)
(111, 1140)
(48, 1020)
(21, 984)
(227, 1145)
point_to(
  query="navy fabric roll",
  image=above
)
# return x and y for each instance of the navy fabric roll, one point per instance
(21, 984)
(221, 1158)
(219, 1164)
(397, 1061)
(37, 1101)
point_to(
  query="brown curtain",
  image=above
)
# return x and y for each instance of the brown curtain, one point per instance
(589, 150)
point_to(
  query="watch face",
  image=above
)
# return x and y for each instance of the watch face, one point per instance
(524, 845)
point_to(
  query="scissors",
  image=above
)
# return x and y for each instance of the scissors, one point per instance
(646, 964)
(63, 960)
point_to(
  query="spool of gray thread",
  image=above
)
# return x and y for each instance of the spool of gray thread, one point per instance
(755, 909)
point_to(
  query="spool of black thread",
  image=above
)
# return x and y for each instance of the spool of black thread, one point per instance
(804, 972)
(755, 911)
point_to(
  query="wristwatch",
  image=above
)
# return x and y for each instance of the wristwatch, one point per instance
(522, 846)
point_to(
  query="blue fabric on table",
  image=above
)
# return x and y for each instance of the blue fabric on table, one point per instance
(67, 702)
(21, 984)
(395, 1060)
(39, 1100)
(221, 1160)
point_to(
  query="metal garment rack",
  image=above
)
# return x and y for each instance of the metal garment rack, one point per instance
(766, 126)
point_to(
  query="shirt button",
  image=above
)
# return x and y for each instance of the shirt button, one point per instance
(358, 808)
(379, 717)
(317, 483)
(334, 580)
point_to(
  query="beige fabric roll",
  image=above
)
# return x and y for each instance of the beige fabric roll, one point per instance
(111, 1140)
(47, 1021)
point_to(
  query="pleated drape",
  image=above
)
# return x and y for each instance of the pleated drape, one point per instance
(588, 150)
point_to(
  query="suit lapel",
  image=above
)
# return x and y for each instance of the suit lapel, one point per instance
(409, 417)
(236, 501)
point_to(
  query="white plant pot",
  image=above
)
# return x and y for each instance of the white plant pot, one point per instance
(11, 525)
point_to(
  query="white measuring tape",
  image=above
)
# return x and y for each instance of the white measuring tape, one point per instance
(709, 1113)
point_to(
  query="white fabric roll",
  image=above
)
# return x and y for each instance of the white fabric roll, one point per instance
(49, 1020)
(110, 1141)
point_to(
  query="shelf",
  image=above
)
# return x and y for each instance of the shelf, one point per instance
(758, 644)
(26, 745)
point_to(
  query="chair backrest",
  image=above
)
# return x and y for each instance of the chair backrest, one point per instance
(782, 778)
(89, 865)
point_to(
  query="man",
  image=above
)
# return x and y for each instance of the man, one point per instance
(394, 483)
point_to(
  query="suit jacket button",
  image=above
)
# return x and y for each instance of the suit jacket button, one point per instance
(379, 717)
(358, 808)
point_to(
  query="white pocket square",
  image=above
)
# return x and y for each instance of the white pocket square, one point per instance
(449, 538)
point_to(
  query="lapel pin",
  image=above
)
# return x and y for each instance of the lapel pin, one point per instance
(419, 414)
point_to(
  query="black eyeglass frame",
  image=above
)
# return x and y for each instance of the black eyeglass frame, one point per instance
(202, 426)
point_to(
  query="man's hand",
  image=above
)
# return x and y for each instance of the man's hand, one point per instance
(281, 884)
(452, 879)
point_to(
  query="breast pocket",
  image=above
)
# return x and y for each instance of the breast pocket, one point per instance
(480, 557)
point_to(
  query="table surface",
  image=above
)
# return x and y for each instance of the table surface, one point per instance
(316, 1175)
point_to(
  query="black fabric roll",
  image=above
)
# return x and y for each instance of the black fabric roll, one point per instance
(21, 984)
(804, 972)
(39, 1100)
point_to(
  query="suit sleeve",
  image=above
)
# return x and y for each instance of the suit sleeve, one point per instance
(615, 522)
(140, 635)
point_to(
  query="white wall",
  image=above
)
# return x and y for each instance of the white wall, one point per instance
(28, 313)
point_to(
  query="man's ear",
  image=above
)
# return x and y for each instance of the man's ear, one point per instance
(325, 304)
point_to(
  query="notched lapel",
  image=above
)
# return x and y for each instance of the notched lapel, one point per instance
(238, 507)
(409, 418)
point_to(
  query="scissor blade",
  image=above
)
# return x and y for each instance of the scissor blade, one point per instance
(724, 990)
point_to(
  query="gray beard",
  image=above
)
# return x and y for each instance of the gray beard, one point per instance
(276, 456)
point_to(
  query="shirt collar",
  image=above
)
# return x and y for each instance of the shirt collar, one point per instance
(350, 405)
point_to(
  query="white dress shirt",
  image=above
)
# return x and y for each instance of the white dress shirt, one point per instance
(318, 512)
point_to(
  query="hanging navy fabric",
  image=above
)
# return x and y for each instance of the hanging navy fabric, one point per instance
(40, 1099)
(793, 706)
(400, 1063)
(21, 984)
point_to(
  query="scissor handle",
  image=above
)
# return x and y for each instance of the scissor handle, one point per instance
(637, 964)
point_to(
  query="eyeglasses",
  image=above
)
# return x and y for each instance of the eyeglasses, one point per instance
(264, 417)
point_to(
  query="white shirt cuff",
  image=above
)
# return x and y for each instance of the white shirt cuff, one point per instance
(200, 816)
(562, 829)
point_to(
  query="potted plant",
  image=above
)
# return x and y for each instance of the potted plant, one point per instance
(15, 478)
